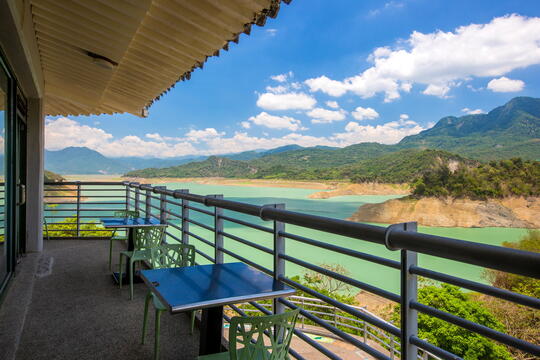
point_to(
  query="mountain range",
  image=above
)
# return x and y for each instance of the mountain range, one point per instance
(511, 130)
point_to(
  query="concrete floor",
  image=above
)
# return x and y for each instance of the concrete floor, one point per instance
(64, 305)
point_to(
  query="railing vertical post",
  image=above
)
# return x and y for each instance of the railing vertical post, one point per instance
(409, 292)
(185, 217)
(218, 232)
(148, 202)
(137, 197)
(279, 263)
(128, 191)
(163, 209)
(78, 209)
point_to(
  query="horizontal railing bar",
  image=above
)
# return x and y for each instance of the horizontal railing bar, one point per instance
(248, 224)
(211, 259)
(344, 307)
(356, 283)
(478, 328)
(202, 211)
(347, 337)
(475, 286)
(247, 242)
(204, 226)
(119, 183)
(173, 225)
(247, 261)
(78, 237)
(201, 239)
(169, 201)
(172, 213)
(424, 345)
(59, 196)
(357, 254)
(174, 237)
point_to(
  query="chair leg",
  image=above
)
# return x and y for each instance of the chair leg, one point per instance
(192, 321)
(156, 335)
(120, 277)
(131, 266)
(146, 302)
(110, 253)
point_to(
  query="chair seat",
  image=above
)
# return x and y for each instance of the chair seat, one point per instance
(225, 355)
(136, 255)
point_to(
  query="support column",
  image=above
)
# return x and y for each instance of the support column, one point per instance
(34, 175)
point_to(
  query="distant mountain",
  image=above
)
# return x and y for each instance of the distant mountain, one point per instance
(255, 154)
(511, 130)
(81, 160)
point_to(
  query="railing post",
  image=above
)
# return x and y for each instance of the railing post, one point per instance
(163, 209)
(365, 332)
(137, 197)
(127, 195)
(409, 292)
(279, 263)
(185, 218)
(218, 232)
(148, 202)
(78, 208)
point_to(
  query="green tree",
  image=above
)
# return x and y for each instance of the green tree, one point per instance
(68, 228)
(452, 338)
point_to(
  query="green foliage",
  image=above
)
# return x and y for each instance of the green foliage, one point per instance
(521, 321)
(497, 179)
(68, 228)
(458, 341)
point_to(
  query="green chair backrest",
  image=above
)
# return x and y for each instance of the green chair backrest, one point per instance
(126, 213)
(249, 333)
(173, 255)
(148, 237)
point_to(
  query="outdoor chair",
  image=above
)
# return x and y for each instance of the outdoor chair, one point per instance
(166, 256)
(145, 239)
(114, 237)
(249, 334)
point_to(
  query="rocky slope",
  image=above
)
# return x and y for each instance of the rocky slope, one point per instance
(508, 212)
(363, 189)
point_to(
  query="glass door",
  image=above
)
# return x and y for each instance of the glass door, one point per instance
(4, 113)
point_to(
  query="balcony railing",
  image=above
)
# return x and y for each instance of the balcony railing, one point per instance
(208, 222)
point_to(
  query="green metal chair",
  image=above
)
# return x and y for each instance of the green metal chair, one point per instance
(114, 237)
(166, 256)
(146, 238)
(249, 334)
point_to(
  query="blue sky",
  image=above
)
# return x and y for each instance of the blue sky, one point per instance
(351, 71)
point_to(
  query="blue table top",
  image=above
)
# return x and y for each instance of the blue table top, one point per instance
(204, 286)
(129, 222)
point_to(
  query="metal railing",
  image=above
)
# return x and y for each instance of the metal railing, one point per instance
(208, 222)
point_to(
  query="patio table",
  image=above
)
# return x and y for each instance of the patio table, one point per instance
(210, 287)
(129, 223)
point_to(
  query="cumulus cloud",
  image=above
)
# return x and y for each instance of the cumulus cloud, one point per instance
(203, 135)
(361, 113)
(403, 116)
(246, 124)
(504, 84)
(388, 133)
(276, 122)
(280, 89)
(64, 132)
(443, 60)
(325, 116)
(282, 77)
(332, 104)
(473, 112)
(287, 101)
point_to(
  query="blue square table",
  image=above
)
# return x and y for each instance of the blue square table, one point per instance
(129, 223)
(210, 287)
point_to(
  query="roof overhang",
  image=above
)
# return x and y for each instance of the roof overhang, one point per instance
(119, 56)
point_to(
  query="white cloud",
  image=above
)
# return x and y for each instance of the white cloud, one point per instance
(203, 135)
(276, 122)
(325, 116)
(271, 32)
(154, 136)
(443, 60)
(246, 124)
(280, 89)
(361, 113)
(332, 104)
(388, 133)
(64, 132)
(282, 77)
(288, 101)
(473, 112)
(389, 5)
(504, 84)
(404, 117)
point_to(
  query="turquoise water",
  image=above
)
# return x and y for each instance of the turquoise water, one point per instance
(337, 207)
